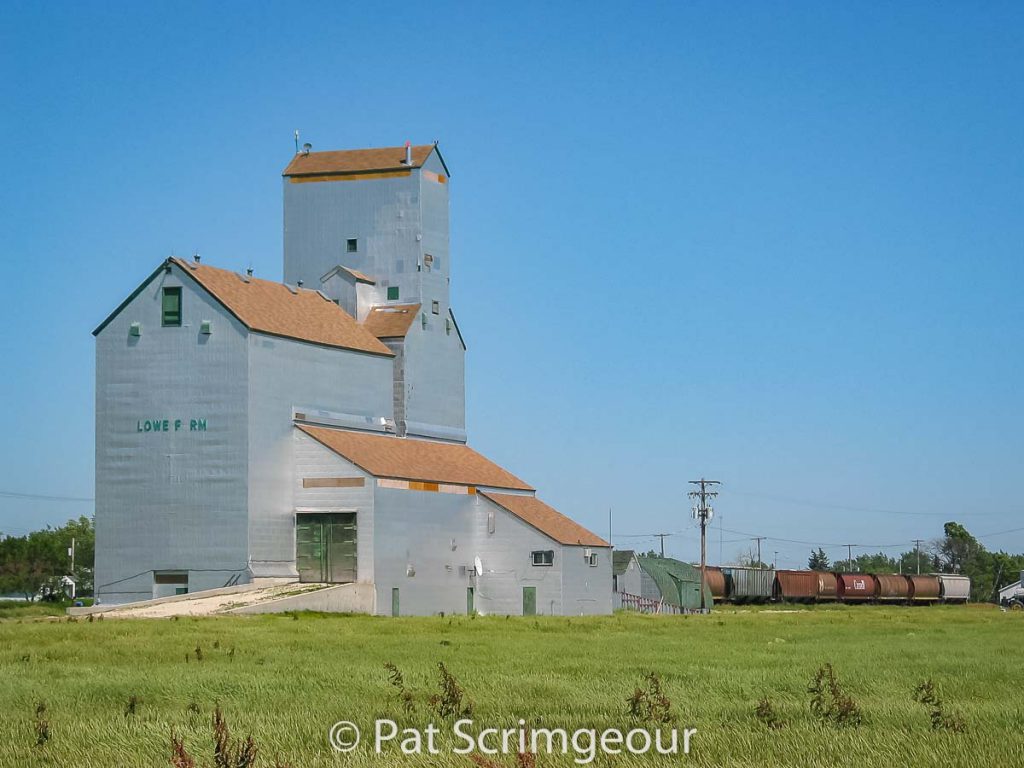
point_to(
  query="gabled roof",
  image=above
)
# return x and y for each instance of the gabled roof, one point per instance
(274, 308)
(405, 458)
(353, 161)
(547, 520)
(391, 321)
(356, 275)
(620, 561)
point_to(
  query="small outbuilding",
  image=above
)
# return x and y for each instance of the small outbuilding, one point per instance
(653, 584)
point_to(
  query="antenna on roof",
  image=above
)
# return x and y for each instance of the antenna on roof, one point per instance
(195, 257)
(296, 141)
(306, 147)
(249, 271)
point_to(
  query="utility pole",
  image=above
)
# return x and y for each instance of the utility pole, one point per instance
(703, 512)
(759, 539)
(917, 546)
(849, 557)
(775, 559)
(662, 536)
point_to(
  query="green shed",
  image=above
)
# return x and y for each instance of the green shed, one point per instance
(678, 582)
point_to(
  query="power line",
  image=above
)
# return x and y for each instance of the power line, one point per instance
(816, 543)
(849, 508)
(41, 497)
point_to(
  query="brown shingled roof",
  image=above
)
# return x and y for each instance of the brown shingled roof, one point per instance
(391, 320)
(546, 519)
(268, 307)
(355, 274)
(356, 161)
(404, 458)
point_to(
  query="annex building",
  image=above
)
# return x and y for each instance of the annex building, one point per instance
(314, 429)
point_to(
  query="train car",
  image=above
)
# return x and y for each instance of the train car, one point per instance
(954, 588)
(924, 589)
(715, 580)
(795, 586)
(891, 588)
(828, 586)
(855, 587)
(749, 585)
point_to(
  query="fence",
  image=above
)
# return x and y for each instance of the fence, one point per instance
(650, 605)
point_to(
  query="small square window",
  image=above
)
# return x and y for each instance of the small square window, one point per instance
(171, 307)
(592, 559)
(544, 557)
(392, 293)
(435, 307)
(352, 245)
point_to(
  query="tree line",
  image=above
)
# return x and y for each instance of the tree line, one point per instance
(35, 565)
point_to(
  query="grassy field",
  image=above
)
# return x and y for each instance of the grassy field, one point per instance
(114, 690)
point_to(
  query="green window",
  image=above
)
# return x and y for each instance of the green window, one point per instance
(392, 293)
(171, 307)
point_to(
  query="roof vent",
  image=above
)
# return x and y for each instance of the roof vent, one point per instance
(306, 147)
(249, 271)
(408, 153)
(299, 283)
(195, 257)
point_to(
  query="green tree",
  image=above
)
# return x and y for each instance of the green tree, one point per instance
(36, 564)
(818, 561)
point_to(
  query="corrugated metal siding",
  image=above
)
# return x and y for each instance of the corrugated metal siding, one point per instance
(311, 459)
(796, 585)
(397, 222)
(955, 587)
(750, 584)
(416, 528)
(586, 589)
(630, 581)
(282, 374)
(383, 214)
(434, 374)
(176, 500)
(508, 567)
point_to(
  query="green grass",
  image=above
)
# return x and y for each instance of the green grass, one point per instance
(16, 609)
(291, 677)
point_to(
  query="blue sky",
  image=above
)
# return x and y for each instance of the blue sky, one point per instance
(774, 244)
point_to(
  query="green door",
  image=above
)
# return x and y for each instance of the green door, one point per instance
(529, 601)
(341, 550)
(394, 601)
(325, 547)
(309, 548)
(470, 608)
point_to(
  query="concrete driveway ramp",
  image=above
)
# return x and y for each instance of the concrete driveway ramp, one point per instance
(327, 598)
